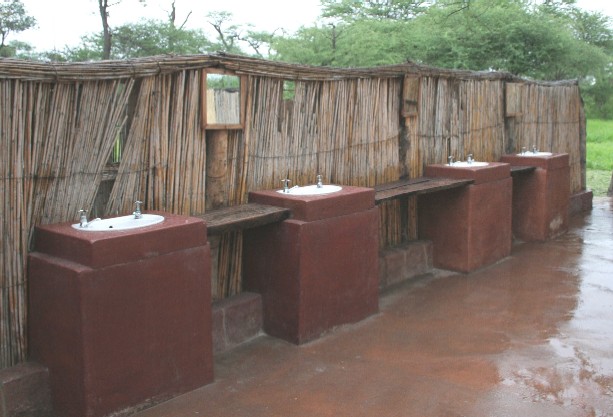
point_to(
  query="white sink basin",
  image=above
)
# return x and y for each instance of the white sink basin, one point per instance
(120, 223)
(530, 153)
(312, 190)
(464, 164)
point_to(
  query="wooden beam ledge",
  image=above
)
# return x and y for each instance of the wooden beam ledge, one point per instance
(521, 169)
(243, 216)
(416, 186)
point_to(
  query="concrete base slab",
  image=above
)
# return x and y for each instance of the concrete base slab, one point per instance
(580, 202)
(404, 262)
(25, 392)
(236, 320)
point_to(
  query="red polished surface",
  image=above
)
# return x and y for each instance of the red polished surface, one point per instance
(469, 227)
(314, 275)
(316, 207)
(120, 335)
(480, 174)
(540, 198)
(553, 161)
(99, 249)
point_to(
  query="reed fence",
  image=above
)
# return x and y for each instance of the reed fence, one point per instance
(364, 127)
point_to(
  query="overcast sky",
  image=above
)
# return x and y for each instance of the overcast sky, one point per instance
(63, 22)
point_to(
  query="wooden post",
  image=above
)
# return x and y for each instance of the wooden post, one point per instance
(514, 93)
(216, 168)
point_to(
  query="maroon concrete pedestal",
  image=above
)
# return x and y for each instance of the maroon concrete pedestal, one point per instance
(540, 198)
(469, 227)
(122, 319)
(318, 269)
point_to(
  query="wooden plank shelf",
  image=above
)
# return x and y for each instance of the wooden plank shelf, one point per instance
(522, 169)
(416, 186)
(243, 216)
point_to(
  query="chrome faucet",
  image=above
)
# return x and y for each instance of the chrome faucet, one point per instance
(286, 182)
(534, 149)
(469, 159)
(137, 213)
(83, 218)
(83, 222)
(319, 182)
(450, 159)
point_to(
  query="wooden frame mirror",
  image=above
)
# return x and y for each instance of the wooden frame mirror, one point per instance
(223, 100)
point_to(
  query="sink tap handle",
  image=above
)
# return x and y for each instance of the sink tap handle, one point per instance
(286, 182)
(137, 213)
(82, 218)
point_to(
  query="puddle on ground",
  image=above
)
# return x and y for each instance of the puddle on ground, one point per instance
(570, 371)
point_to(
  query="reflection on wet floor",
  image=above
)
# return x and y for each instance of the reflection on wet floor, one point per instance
(529, 336)
(569, 372)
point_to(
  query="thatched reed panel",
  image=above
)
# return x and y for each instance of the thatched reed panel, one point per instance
(58, 123)
(222, 106)
(61, 136)
(551, 121)
(337, 129)
(163, 163)
(457, 118)
(454, 118)
(513, 99)
(347, 131)
(433, 124)
(228, 248)
(482, 124)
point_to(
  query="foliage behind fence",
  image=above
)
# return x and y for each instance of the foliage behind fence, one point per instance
(59, 123)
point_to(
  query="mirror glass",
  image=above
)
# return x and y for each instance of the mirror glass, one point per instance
(223, 99)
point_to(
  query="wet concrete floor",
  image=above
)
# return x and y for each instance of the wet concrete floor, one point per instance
(529, 336)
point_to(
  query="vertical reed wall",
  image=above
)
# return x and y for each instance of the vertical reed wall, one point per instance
(53, 152)
(58, 126)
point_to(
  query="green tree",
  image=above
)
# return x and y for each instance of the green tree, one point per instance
(597, 82)
(310, 45)
(506, 36)
(546, 42)
(352, 10)
(13, 19)
(553, 41)
(146, 38)
(22, 50)
(260, 42)
(233, 38)
(593, 29)
(156, 38)
(103, 10)
(362, 42)
(227, 33)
